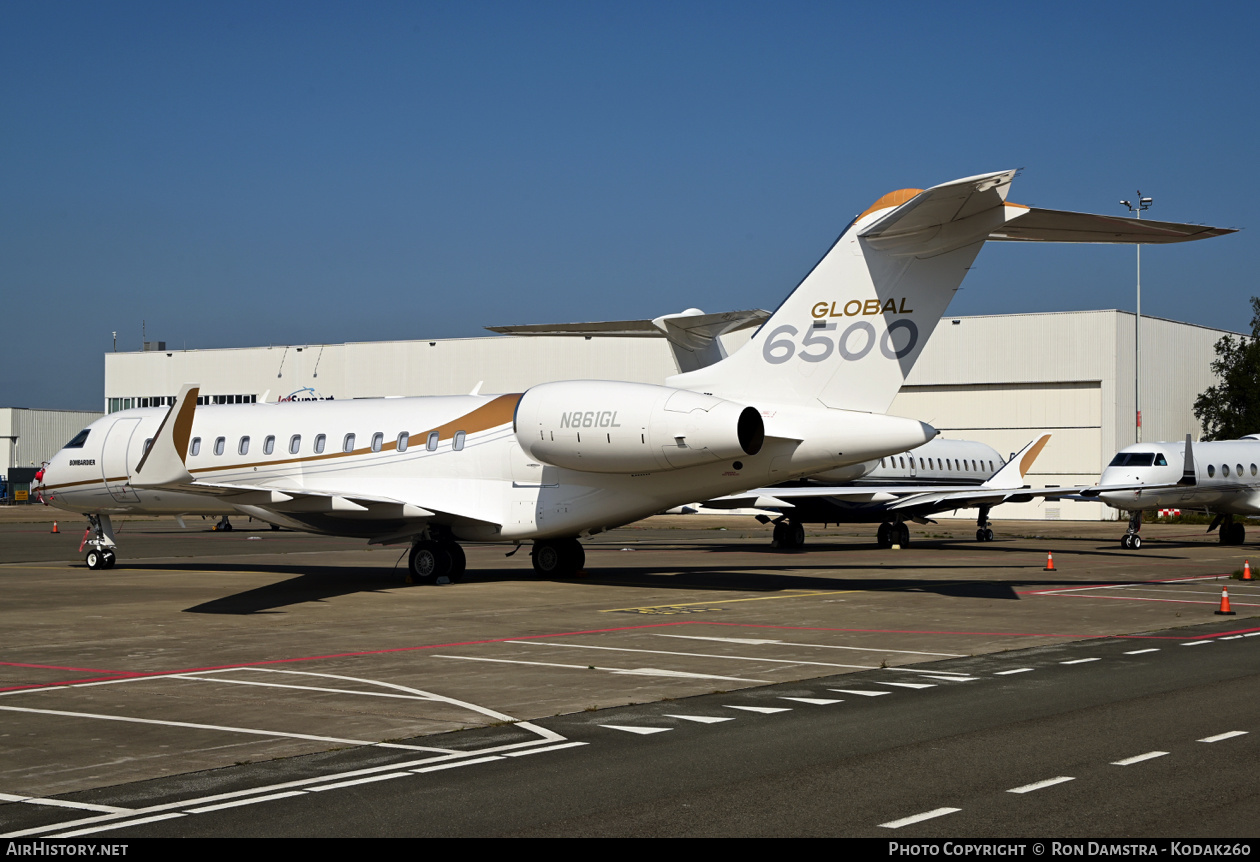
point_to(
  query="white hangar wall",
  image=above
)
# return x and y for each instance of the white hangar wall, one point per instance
(1003, 379)
(999, 379)
(30, 437)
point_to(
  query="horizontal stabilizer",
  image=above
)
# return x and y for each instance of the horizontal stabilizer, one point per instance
(1038, 225)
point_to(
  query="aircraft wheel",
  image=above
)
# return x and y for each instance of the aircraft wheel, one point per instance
(459, 562)
(94, 559)
(980, 535)
(429, 561)
(988, 534)
(1124, 541)
(110, 559)
(275, 527)
(778, 538)
(794, 533)
(1240, 534)
(902, 533)
(558, 558)
(1135, 543)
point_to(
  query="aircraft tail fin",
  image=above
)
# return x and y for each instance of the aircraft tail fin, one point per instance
(851, 331)
(1012, 473)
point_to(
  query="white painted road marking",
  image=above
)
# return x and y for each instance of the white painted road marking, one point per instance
(918, 818)
(863, 693)
(765, 710)
(815, 701)
(1195, 643)
(1079, 660)
(1016, 670)
(642, 671)
(909, 684)
(695, 654)
(642, 731)
(548, 748)
(1049, 782)
(63, 803)
(702, 719)
(1140, 651)
(1128, 761)
(1221, 736)
(237, 803)
(759, 642)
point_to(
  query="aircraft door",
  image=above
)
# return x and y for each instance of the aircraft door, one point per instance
(114, 468)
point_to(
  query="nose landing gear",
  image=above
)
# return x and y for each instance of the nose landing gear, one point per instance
(99, 540)
(1131, 541)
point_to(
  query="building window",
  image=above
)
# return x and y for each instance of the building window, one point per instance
(347, 445)
(295, 443)
(218, 445)
(242, 448)
(378, 440)
(403, 439)
(458, 443)
(195, 448)
(269, 445)
(319, 443)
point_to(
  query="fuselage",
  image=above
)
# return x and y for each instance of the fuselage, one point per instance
(938, 462)
(458, 457)
(1227, 476)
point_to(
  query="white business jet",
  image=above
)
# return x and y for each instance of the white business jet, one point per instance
(1222, 477)
(567, 459)
(940, 476)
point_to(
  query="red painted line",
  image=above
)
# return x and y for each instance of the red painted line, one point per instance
(1173, 601)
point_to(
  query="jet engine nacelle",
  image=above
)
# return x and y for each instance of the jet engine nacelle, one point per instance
(604, 426)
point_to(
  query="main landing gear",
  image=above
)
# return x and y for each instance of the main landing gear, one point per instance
(223, 526)
(788, 535)
(435, 558)
(1232, 532)
(100, 543)
(892, 533)
(558, 558)
(1131, 541)
(984, 532)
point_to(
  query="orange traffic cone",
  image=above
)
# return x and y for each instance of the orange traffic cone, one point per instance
(54, 529)
(1225, 611)
(1246, 570)
(1049, 562)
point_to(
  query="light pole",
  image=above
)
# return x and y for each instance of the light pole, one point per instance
(1143, 204)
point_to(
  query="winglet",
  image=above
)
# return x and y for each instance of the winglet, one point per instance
(1013, 471)
(164, 463)
(1188, 476)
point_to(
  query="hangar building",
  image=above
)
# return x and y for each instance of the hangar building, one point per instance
(999, 379)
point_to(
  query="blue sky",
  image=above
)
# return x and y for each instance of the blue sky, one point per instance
(255, 173)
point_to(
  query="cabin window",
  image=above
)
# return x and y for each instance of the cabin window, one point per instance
(218, 445)
(269, 445)
(378, 439)
(432, 443)
(881, 462)
(295, 444)
(1253, 469)
(1240, 470)
(458, 442)
(403, 439)
(1211, 471)
(242, 448)
(320, 439)
(1224, 469)
(79, 440)
(195, 447)
(147, 444)
(347, 444)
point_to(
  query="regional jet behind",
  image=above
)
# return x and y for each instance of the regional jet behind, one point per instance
(567, 459)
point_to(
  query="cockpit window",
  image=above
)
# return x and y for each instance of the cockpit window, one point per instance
(1134, 459)
(79, 440)
(1160, 461)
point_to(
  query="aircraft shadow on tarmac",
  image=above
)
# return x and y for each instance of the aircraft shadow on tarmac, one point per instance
(325, 583)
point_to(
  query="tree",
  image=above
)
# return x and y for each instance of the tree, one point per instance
(1231, 409)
